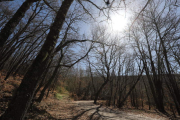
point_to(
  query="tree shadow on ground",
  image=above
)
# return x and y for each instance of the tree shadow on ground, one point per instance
(83, 112)
(95, 113)
(38, 114)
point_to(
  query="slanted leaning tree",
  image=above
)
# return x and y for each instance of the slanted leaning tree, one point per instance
(14, 21)
(21, 101)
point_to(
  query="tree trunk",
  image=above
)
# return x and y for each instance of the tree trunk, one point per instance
(157, 82)
(170, 76)
(48, 84)
(131, 89)
(14, 21)
(111, 94)
(99, 91)
(22, 99)
(159, 106)
(149, 102)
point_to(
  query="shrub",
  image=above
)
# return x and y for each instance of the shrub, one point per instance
(61, 90)
(58, 96)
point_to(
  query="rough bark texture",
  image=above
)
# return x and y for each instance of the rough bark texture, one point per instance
(21, 101)
(50, 81)
(14, 21)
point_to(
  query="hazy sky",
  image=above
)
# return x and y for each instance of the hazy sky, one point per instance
(118, 17)
(123, 10)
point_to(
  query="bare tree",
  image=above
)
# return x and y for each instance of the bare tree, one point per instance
(30, 81)
(13, 22)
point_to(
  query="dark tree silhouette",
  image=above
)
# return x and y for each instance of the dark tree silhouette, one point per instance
(13, 22)
(24, 95)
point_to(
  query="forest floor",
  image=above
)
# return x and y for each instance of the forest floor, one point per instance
(86, 110)
(67, 109)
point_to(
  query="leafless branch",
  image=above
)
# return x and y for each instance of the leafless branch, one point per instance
(140, 13)
(49, 6)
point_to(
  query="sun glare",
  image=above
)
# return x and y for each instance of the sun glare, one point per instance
(118, 22)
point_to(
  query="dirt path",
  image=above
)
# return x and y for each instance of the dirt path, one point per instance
(86, 110)
(65, 109)
(53, 109)
(98, 112)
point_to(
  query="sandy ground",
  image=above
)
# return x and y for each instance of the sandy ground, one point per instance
(99, 112)
(86, 110)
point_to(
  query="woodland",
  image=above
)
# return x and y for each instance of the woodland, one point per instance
(48, 47)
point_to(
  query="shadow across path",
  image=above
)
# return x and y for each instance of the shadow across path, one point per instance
(88, 111)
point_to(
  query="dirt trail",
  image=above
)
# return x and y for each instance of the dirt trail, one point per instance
(99, 112)
(86, 110)
(53, 109)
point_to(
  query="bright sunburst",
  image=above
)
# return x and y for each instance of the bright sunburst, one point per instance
(118, 22)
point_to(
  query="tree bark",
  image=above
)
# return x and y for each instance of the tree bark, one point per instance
(131, 89)
(23, 97)
(48, 84)
(14, 21)
(99, 91)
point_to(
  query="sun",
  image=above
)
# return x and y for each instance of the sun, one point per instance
(118, 22)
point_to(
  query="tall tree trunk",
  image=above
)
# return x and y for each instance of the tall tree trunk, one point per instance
(149, 102)
(111, 94)
(99, 91)
(131, 89)
(23, 97)
(115, 94)
(43, 79)
(157, 82)
(159, 106)
(50, 81)
(170, 75)
(14, 21)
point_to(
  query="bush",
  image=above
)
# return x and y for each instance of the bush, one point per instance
(61, 90)
(58, 96)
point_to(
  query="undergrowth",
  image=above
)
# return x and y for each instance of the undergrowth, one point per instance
(61, 93)
(58, 96)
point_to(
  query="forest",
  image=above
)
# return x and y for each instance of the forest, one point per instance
(48, 46)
